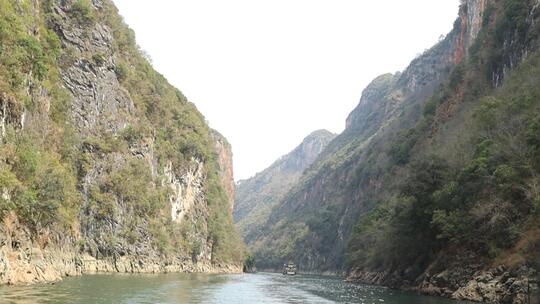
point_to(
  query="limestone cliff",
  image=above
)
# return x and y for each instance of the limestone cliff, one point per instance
(105, 167)
(225, 164)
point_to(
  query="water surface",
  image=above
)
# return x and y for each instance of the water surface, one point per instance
(200, 288)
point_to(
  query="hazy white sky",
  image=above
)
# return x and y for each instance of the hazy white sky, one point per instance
(267, 73)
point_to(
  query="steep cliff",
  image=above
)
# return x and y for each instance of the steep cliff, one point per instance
(433, 183)
(346, 179)
(104, 165)
(224, 154)
(256, 196)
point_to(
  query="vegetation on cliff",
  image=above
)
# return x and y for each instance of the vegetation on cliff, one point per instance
(436, 171)
(478, 190)
(36, 166)
(58, 174)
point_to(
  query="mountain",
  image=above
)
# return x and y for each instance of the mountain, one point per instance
(256, 196)
(433, 185)
(104, 166)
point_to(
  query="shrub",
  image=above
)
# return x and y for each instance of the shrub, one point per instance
(452, 225)
(456, 76)
(83, 12)
(533, 134)
(35, 59)
(402, 145)
(430, 107)
(9, 185)
(133, 184)
(121, 71)
(98, 59)
(249, 263)
(49, 193)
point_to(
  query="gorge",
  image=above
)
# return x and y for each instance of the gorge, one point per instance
(432, 188)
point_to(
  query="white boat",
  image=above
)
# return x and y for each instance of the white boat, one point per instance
(289, 269)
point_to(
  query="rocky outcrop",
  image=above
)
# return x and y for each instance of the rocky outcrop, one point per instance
(29, 258)
(495, 285)
(99, 101)
(370, 102)
(91, 265)
(11, 114)
(26, 258)
(470, 22)
(187, 190)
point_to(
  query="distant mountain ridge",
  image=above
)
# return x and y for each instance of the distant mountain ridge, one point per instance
(256, 196)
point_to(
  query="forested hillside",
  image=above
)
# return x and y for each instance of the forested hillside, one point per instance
(434, 184)
(104, 166)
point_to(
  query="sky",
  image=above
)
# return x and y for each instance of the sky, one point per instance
(266, 74)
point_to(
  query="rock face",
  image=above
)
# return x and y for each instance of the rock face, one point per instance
(497, 285)
(11, 113)
(24, 260)
(494, 285)
(465, 281)
(99, 100)
(225, 166)
(256, 196)
(105, 166)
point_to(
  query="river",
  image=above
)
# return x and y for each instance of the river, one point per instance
(201, 288)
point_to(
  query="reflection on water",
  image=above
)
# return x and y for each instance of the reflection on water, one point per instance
(200, 288)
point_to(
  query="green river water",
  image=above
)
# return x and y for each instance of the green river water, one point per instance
(200, 288)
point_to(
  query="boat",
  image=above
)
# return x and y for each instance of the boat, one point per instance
(289, 269)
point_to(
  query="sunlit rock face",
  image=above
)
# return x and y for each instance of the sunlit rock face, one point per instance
(225, 166)
(475, 13)
(99, 101)
(186, 189)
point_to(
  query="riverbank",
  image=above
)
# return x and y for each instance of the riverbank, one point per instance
(34, 265)
(495, 285)
(27, 258)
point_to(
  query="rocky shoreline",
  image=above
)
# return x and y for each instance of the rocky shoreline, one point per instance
(33, 265)
(27, 258)
(495, 285)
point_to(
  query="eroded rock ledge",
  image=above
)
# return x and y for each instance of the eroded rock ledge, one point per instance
(49, 257)
(35, 265)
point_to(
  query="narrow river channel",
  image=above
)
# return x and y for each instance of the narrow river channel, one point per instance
(199, 288)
